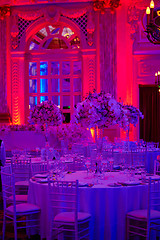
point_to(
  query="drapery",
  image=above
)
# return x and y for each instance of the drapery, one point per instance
(149, 101)
(108, 58)
(3, 83)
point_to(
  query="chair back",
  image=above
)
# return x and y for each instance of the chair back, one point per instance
(21, 169)
(8, 186)
(154, 194)
(63, 196)
(138, 158)
(39, 168)
(157, 165)
(153, 199)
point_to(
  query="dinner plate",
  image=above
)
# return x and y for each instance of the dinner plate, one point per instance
(114, 185)
(153, 177)
(130, 183)
(81, 184)
(41, 175)
(42, 180)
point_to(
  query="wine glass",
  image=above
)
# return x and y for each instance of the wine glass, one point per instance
(87, 164)
(111, 162)
(104, 164)
(143, 174)
(37, 151)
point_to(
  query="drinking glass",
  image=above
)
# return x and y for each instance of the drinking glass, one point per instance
(143, 174)
(87, 164)
(111, 162)
(37, 151)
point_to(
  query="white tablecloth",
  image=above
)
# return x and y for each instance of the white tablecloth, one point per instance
(107, 205)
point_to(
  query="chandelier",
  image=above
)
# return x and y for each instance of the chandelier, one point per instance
(153, 24)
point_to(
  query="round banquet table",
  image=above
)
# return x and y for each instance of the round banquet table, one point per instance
(107, 204)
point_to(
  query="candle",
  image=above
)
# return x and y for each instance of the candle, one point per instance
(156, 77)
(152, 9)
(148, 15)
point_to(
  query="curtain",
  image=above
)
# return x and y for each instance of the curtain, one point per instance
(3, 83)
(149, 102)
(108, 58)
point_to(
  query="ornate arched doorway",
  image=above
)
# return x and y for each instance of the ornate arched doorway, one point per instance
(54, 68)
(53, 61)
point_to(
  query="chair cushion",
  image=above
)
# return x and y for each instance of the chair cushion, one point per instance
(142, 214)
(70, 216)
(24, 208)
(22, 183)
(20, 198)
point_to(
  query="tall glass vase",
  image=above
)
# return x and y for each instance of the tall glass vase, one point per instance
(99, 132)
(127, 134)
(127, 138)
(47, 146)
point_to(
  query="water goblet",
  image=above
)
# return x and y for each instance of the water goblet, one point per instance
(87, 164)
(111, 162)
(143, 174)
(37, 151)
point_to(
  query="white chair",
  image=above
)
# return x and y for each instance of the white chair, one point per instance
(157, 165)
(41, 168)
(141, 222)
(138, 158)
(66, 219)
(22, 172)
(18, 213)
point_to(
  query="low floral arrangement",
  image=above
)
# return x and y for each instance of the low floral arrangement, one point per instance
(73, 133)
(16, 127)
(46, 113)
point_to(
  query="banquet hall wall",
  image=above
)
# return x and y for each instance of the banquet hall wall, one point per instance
(119, 59)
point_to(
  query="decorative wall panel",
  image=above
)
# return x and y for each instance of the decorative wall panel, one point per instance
(91, 73)
(108, 59)
(3, 82)
(147, 68)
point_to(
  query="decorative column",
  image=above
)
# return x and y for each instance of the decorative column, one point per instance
(108, 52)
(106, 36)
(89, 73)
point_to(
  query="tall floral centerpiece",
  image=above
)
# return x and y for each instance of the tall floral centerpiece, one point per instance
(46, 114)
(101, 110)
(98, 110)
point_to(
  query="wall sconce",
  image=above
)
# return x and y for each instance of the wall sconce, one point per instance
(157, 78)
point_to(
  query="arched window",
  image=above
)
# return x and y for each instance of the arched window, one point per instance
(55, 68)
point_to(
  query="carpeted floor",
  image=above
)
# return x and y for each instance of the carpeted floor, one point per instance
(9, 233)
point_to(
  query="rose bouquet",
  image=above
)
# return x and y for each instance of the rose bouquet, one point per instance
(98, 109)
(46, 113)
